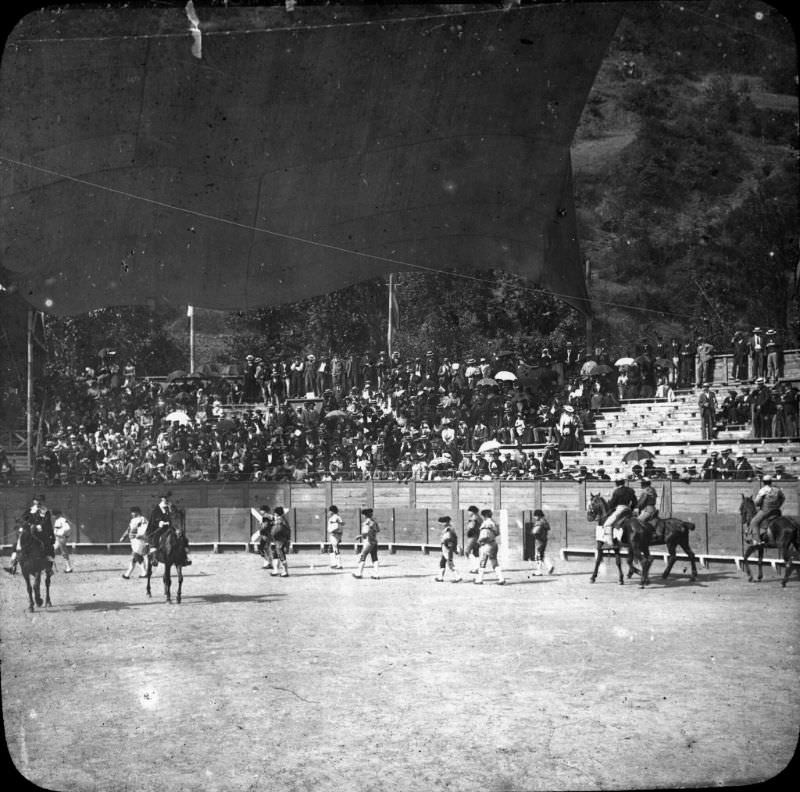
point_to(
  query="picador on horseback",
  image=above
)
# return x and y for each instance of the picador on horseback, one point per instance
(646, 504)
(621, 505)
(769, 500)
(36, 521)
(163, 519)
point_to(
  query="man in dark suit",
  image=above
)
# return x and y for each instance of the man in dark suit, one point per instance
(162, 519)
(739, 345)
(756, 350)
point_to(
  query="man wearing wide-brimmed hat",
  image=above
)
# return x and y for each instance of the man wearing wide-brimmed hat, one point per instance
(774, 355)
(755, 349)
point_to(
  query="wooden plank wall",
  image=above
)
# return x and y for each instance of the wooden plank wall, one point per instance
(407, 511)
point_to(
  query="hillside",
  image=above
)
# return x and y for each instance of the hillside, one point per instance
(689, 128)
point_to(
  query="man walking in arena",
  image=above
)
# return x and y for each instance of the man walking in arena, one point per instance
(487, 541)
(369, 547)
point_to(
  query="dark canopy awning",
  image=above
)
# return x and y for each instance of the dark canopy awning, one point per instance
(301, 152)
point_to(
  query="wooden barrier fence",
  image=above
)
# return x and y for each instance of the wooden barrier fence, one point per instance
(219, 514)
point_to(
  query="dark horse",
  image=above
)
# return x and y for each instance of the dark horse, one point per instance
(598, 511)
(639, 536)
(170, 551)
(35, 557)
(668, 531)
(780, 532)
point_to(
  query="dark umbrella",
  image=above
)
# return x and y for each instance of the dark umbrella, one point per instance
(176, 375)
(602, 368)
(224, 424)
(232, 370)
(637, 455)
(663, 363)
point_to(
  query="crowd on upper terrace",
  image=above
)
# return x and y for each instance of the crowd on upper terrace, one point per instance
(312, 419)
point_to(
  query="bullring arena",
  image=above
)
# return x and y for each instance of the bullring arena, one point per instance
(321, 681)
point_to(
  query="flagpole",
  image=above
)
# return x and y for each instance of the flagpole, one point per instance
(29, 395)
(389, 326)
(190, 313)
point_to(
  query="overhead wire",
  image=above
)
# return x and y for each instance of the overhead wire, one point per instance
(324, 245)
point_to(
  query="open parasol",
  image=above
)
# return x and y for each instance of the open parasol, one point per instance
(637, 455)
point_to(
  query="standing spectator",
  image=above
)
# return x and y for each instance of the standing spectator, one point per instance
(687, 365)
(743, 470)
(568, 429)
(296, 377)
(551, 460)
(774, 355)
(726, 465)
(337, 375)
(321, 377)
(710, 470)
(572, 359)
(704, 362)
(755, 348)
(673, 354)
(250, 385)
(789, 400)
(707, 402)
(309, 375)
(763, 408)
(739, 344)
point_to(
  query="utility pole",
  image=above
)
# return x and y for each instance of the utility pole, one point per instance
(389, 329)
(29, 396)
(587, 274)
(190, 314)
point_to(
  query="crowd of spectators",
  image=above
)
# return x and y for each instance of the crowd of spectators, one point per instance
(359, 417)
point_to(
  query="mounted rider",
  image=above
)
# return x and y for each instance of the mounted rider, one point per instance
(620, 505)
(37, 522)
(768, 501)
(646, 504)
(163, 519)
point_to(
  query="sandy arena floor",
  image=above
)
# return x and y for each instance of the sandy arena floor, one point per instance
(319, 681)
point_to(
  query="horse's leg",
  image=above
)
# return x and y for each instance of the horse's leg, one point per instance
(167, 581)
(618, 561)
(672, 546)
(787, 562)
(148, 573)
(747, 553)
(30, 591)
(179, 570)
(598, 557)
(760, 562)
(47, 575)
(37, 588)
